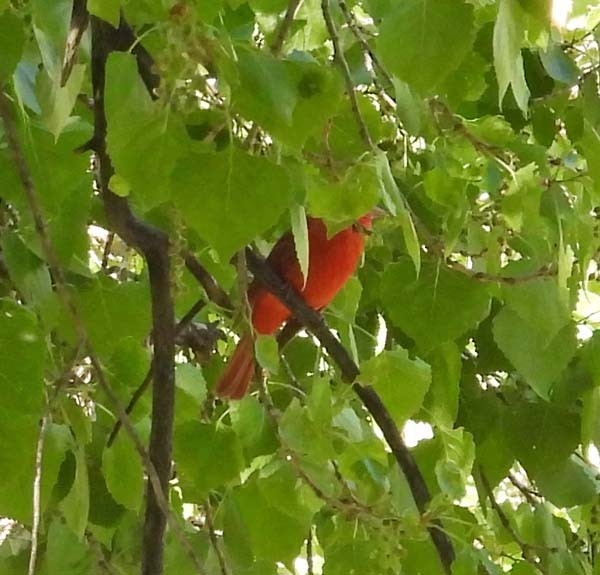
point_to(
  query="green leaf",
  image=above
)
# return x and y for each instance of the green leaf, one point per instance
(75, 506)
(248, 193)
(190, 379)
(567, 484)
(444, 190)
(79, 422)
(22, 360)
(50, 26)
(196, 447)
(400, 381)
(538, 357)
(254, 429)
(17, 463)
(273, 516)
(590, 143)
(543, 123)
(344, 201)
(305, 434)
(319, 402)
(442, 400)
(426, 308)
(541, 435)
(123, 472)
(397, 205)
(521, 202)
(114, 311)
(266, 349)
(409, 108)
(119, 186)
(267, 6)
(31, 276)
(267, 93)
(65, 553)
(422, 41)
(63, 183)
(540, 304)
(454, 468)
(345, 304)
(508, 62)
(57, 102)
(138, 128)
(590, 417)
(109, 10)
(300, 234)
(559, 65)
(320, 92)
(12, 40)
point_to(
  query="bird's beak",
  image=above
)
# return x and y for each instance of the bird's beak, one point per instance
(377, 213)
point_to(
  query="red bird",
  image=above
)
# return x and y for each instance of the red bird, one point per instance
(331, 262)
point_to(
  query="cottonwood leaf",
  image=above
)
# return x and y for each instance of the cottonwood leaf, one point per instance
(139, 128)
(426, 308)
(422, 41)
(508, 62)
(400, 381)
(123, 472)
(300, 234)
(540, 358)
(76, 505)
(12, 41)
(232, 198)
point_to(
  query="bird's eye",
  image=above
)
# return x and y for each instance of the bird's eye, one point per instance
(358, 227)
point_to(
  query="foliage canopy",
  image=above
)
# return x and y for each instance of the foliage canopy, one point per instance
(144, 146)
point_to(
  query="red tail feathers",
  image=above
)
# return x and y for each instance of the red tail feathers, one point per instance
(236, 378)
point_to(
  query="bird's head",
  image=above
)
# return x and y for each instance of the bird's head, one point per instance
(366, 222)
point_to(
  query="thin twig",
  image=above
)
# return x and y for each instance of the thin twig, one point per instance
(101, 560)
(529, 494)
(107, 248)
(543, 272)
(141, 389)
(526, 549)
(214, 540)
(363, 41)
(37, 487)
(212, 289)
(285, 26)
(80, 18)
(310, 568)
(338, 55)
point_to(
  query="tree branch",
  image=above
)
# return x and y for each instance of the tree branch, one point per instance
(139, 392)
(154, 245)
(526, 550)
(338, 55)
(80, 18)
(285, 26)
(214, 540)
(211, 287)
(363, 42)
(313, 321)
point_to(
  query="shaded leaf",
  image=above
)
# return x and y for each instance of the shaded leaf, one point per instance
(422, 41)
(425, 308)
(250, 198)
(400, 381)
(508, 62)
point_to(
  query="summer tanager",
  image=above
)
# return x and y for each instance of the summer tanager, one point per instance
(331, 262)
